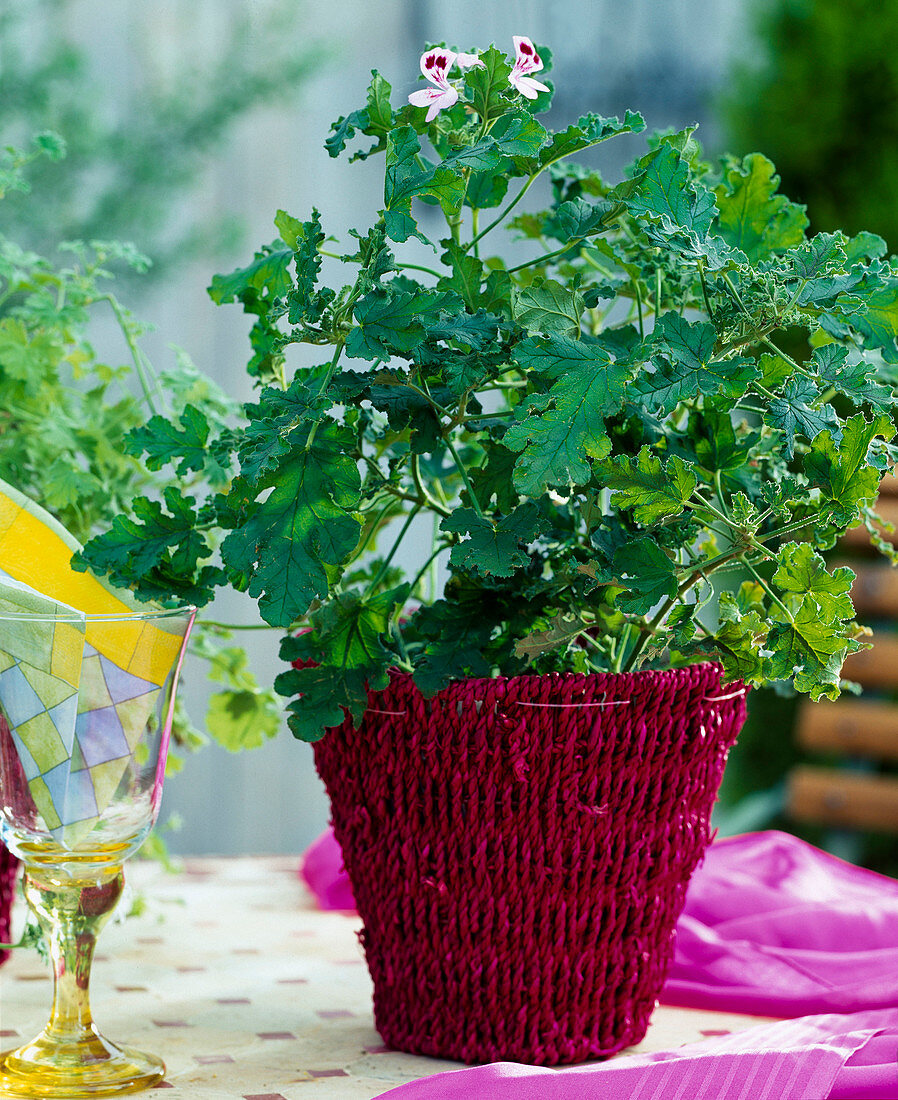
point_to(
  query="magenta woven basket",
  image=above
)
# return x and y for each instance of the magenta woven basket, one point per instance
(8, 868)
(519, 850)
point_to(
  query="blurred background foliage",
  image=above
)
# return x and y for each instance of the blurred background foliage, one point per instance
(133, 158)
(817, 91)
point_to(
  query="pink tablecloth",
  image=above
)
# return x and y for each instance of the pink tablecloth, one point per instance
(771, 926)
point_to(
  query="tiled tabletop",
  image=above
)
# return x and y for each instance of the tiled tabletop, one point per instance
(249, 992)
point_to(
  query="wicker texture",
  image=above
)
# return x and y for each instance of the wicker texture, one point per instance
(8, 869)
(519, 850)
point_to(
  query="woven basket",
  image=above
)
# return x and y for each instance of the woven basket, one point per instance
(8, 869)
(519, 850)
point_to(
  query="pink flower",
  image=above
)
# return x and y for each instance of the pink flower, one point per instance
(435, 64)
(527, 60)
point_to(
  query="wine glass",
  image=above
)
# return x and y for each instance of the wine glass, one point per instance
(86, 706)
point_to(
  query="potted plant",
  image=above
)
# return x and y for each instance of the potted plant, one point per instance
(630, 483)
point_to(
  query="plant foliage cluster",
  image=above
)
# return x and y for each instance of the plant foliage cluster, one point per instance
(64, 412)
(604, 435)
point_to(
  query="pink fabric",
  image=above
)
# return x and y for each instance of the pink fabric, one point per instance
(771, 926)
(323, 872)
(775, 927)
(814, 1058)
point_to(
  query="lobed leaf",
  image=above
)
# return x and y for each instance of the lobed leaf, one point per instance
(305, 523)
(557, 432)
(651, 490)
(752, 217)
(493, 547)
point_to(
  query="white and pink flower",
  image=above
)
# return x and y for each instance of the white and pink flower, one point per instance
(435, 65)
(527, 61)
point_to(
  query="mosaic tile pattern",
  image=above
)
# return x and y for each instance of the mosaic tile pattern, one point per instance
(75, 719)
(291, 1022)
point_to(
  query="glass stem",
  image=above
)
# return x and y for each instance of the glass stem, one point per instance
(71, 913)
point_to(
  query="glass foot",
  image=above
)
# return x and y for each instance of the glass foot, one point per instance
(89, 1066)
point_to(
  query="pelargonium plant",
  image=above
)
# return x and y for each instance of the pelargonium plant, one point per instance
(634, 446)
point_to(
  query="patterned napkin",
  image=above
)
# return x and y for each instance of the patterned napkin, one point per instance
(75, 696)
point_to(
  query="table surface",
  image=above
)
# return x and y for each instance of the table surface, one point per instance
(249, 992)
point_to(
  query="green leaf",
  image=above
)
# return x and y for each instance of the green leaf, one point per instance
(477, 330)
(815, 258)
(305, 523)
(715, 442)
(802, 573)
(856, 380)
(578, 218)
(878, 323)
(488, 84)
(752, 216)
(486, 189)
(557, 432)
(792, 412)
(325, 696)
(651, 490)
(256, 286)
(647, 574)
(841, 469)
(494, 549)
(163, 442)
(243, 716)
(406, 180)
(808, 648)
(495, 478)
(466, 277)
(374, 256)
(375, 120)
(685, 366)
(518, 134)
(29, 357)
(665, 192)
(739, 638)
(291, 229)
(302, 301)
(564, 628)
(392, 321)
(239, 720)
(456, 635)
(267, 436)
(161, 547)
(589, 130)
(549, 307)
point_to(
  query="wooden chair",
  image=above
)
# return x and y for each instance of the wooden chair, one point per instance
(859, 793)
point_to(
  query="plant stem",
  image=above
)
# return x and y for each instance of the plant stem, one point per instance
(400, 267)
(502, 213)
(332, 366)
(236, 626)
(459, 465)
(424, 568)
(381, 573)
(704, 282)
(136, 357)
(762, 338)
(422, 491)
(748, 565)
(548, 256)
